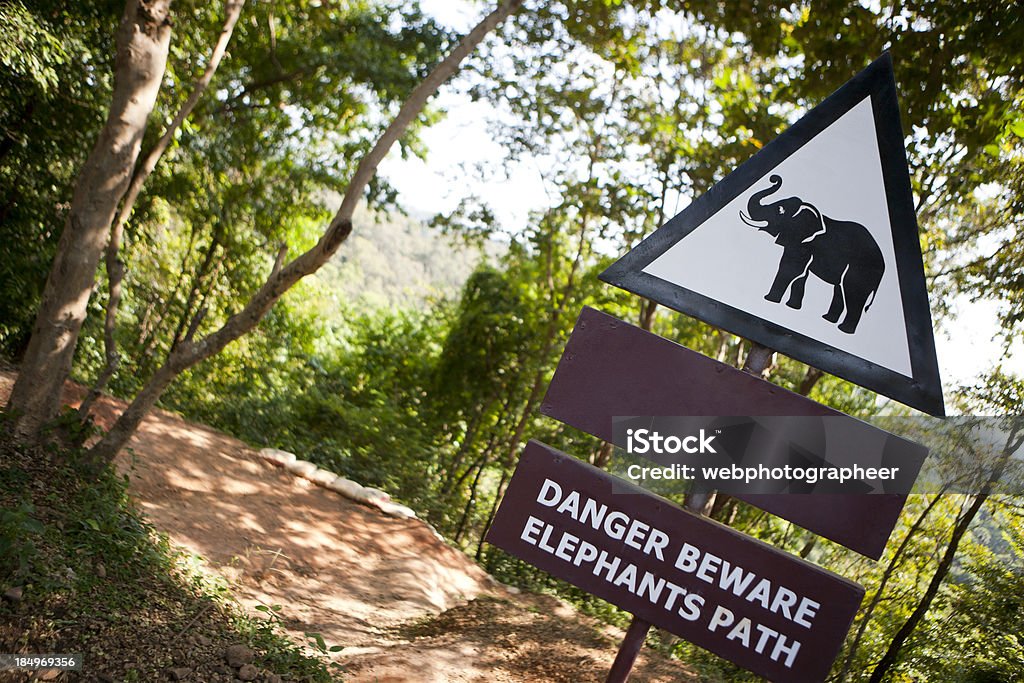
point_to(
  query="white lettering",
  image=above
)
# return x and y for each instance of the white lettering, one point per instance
(761, 593)
(532, 526)
(627, 578)
(545, 496)
(656, 542)
(709, 563)
(789, 650)
(691, 607)
(615, 524)
(603, 564)
(637, 530)
(784, 599)
(651, 585)
(807, 610)
(766, 633)
(741, 632)
(687, 560)
(566, 545)
(571, 504)
(721, 617)
(586, 553)
(734, 578)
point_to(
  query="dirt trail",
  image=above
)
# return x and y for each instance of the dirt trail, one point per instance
(361, 579)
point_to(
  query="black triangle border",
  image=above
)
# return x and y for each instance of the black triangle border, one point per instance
(924, 390)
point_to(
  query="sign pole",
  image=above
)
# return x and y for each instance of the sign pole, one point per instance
(628, 651)
(759, 358)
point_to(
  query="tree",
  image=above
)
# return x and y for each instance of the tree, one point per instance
(284, 275)
(306, 90)
(47, 364)
(114, 264)
(143, 41)
(55, 87)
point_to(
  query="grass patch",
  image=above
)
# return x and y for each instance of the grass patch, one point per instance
(83, 572)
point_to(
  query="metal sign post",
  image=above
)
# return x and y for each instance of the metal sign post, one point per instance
(629, 650)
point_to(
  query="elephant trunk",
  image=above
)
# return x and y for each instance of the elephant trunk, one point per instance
(758, 215)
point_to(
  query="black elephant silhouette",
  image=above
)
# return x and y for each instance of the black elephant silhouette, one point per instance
(841, 253)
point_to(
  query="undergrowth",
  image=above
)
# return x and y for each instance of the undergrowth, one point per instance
(83, 572)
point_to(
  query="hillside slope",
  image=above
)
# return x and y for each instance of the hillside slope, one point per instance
(405, 605)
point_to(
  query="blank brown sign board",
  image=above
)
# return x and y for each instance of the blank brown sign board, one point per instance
(765, 610)
(613, 369)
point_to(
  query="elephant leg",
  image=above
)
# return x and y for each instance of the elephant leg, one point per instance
(856, 298)
(836, 309)
(793, 265)
(796, 292)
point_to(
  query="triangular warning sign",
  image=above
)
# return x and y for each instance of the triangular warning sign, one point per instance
(810, 248)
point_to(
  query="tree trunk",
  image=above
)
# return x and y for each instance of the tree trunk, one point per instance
(470, 504)
(647, 310)
(485, 457)
(469, 438)
(149, 329)
(924, 604)
(197, 286)
(115, 266)
(603, 455)
(142, 44)
(490, 517)
(890, 569)
(283, 277)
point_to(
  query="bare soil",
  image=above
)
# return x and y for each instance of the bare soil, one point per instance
(405, 605)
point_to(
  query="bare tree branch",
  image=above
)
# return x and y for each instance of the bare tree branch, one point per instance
(963, 523)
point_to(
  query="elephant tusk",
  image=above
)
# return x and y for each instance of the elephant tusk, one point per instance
(751, 222)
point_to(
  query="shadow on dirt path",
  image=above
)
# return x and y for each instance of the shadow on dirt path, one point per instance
(369, 582)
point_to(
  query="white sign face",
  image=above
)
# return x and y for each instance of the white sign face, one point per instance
(810, 248)
(833, 184)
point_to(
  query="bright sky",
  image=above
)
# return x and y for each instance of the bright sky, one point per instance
(966, 345)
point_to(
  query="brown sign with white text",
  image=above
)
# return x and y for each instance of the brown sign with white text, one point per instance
(614, 369)
(767, 611)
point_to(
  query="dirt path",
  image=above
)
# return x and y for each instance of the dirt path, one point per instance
(361, 579)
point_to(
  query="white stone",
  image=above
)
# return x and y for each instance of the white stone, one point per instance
(434, 531)
(301, 468)
(396, 510)
(376, 496)
(322, 477)
(348, 488)
(277, 456)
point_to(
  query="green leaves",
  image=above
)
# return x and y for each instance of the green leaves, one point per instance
(28, 47)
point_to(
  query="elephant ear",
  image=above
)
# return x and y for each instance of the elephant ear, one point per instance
(808, 222)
